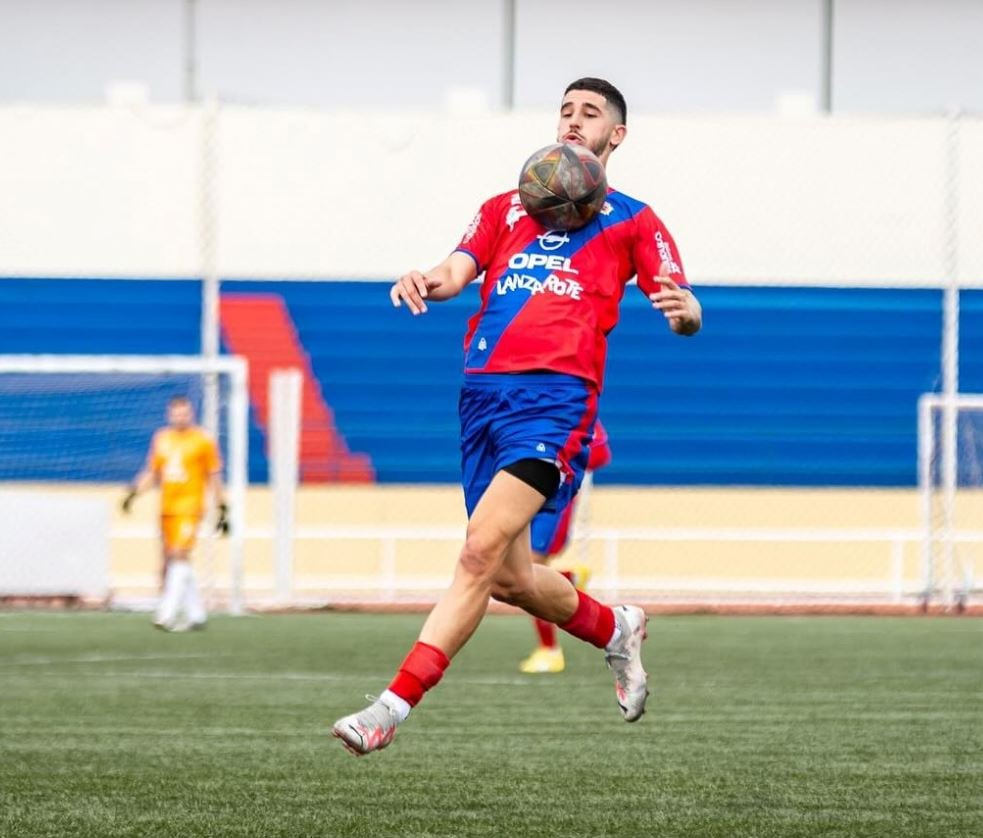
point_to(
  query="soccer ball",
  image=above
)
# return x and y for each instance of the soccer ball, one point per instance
(563, 186)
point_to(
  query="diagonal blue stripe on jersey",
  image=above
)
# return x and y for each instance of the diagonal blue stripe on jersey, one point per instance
(524, 277)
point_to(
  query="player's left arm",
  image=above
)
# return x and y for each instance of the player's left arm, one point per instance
(679, 305)
(213, 468)
(661, 277)
(221, 505)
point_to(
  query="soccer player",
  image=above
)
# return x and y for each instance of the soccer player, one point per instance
(549, 532)
(185, 461)
(534, 366)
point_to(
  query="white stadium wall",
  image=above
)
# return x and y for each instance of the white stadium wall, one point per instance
(117, 191)
(917, 56)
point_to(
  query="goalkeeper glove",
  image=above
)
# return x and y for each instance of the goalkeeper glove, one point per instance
(127, 503)
(222, 522)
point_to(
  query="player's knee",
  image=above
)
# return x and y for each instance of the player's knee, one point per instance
(481, 554)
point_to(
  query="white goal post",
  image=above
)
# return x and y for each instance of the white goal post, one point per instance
(60, 415)
(950, 483)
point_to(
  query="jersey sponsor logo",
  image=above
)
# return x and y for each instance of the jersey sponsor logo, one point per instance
(524, 282)
(555, 262)
(665, 253)
(472, 228)
(173, 470)
(553, 239)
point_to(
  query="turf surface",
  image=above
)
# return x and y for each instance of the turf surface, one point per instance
(757, 727)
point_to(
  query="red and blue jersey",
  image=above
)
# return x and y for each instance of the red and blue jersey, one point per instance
(550, 298)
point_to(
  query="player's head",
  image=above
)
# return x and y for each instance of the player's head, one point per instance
(593, 113)
(180, 413)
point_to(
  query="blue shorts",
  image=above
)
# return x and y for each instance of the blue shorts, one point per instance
(542, 416)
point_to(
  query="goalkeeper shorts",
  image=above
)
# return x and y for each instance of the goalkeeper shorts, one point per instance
(178, 532)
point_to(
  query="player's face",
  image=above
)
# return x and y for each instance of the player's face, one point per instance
(586, 119)
(180, 415)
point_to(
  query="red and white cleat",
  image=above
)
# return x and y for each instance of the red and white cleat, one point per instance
(371, 729)
(624, 659)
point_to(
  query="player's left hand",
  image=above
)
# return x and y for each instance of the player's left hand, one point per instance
(679, 306)
(222, 522)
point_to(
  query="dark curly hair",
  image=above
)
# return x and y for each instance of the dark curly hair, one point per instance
(610, 93)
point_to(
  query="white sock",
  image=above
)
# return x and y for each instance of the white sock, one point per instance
(400, 705)
(193, 605)
(174, 583)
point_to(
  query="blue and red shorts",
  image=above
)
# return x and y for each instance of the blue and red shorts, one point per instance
(545, 416)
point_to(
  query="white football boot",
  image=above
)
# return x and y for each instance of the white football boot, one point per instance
(371, 729)
(624, 659)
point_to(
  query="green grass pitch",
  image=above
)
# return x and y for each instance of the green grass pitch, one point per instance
(757, 726)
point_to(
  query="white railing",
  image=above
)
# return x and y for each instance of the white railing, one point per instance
(388, 586)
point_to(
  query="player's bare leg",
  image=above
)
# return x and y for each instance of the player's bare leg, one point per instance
(547, 657)
(496, 561)
(502, 515)
(619, 631)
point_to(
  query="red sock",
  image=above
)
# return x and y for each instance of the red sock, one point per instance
(546, 632)
(592, 621)
(423, 667)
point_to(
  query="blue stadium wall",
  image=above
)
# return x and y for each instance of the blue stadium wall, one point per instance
(784, 386)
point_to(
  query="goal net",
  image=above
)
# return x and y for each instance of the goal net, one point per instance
(74, 431)
(950, 445)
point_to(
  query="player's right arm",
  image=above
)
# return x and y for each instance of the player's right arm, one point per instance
(145, 478)
(467, 261)
(440, 283)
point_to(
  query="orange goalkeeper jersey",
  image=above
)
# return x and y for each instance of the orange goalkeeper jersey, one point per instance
(183, 461)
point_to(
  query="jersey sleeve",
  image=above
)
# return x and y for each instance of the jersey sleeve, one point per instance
(654, 246)
(479, 239)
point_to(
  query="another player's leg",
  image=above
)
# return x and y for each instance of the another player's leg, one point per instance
(549, 532)
(547, 657)
(502, 514)
(180, 605)
(169, 603)
(619, 631)
(195, 615)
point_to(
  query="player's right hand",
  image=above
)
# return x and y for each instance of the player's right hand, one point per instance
(413, 288)
(127, 503)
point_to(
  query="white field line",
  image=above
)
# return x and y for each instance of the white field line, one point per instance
(372, 677)
(49, 661)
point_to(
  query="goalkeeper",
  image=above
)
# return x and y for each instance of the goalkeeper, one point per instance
(184, 460)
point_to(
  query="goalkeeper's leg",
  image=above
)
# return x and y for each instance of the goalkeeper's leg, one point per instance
(180, 605)
(194, 606)
(175, 581)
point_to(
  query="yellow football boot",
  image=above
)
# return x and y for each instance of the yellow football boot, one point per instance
(543, 660)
